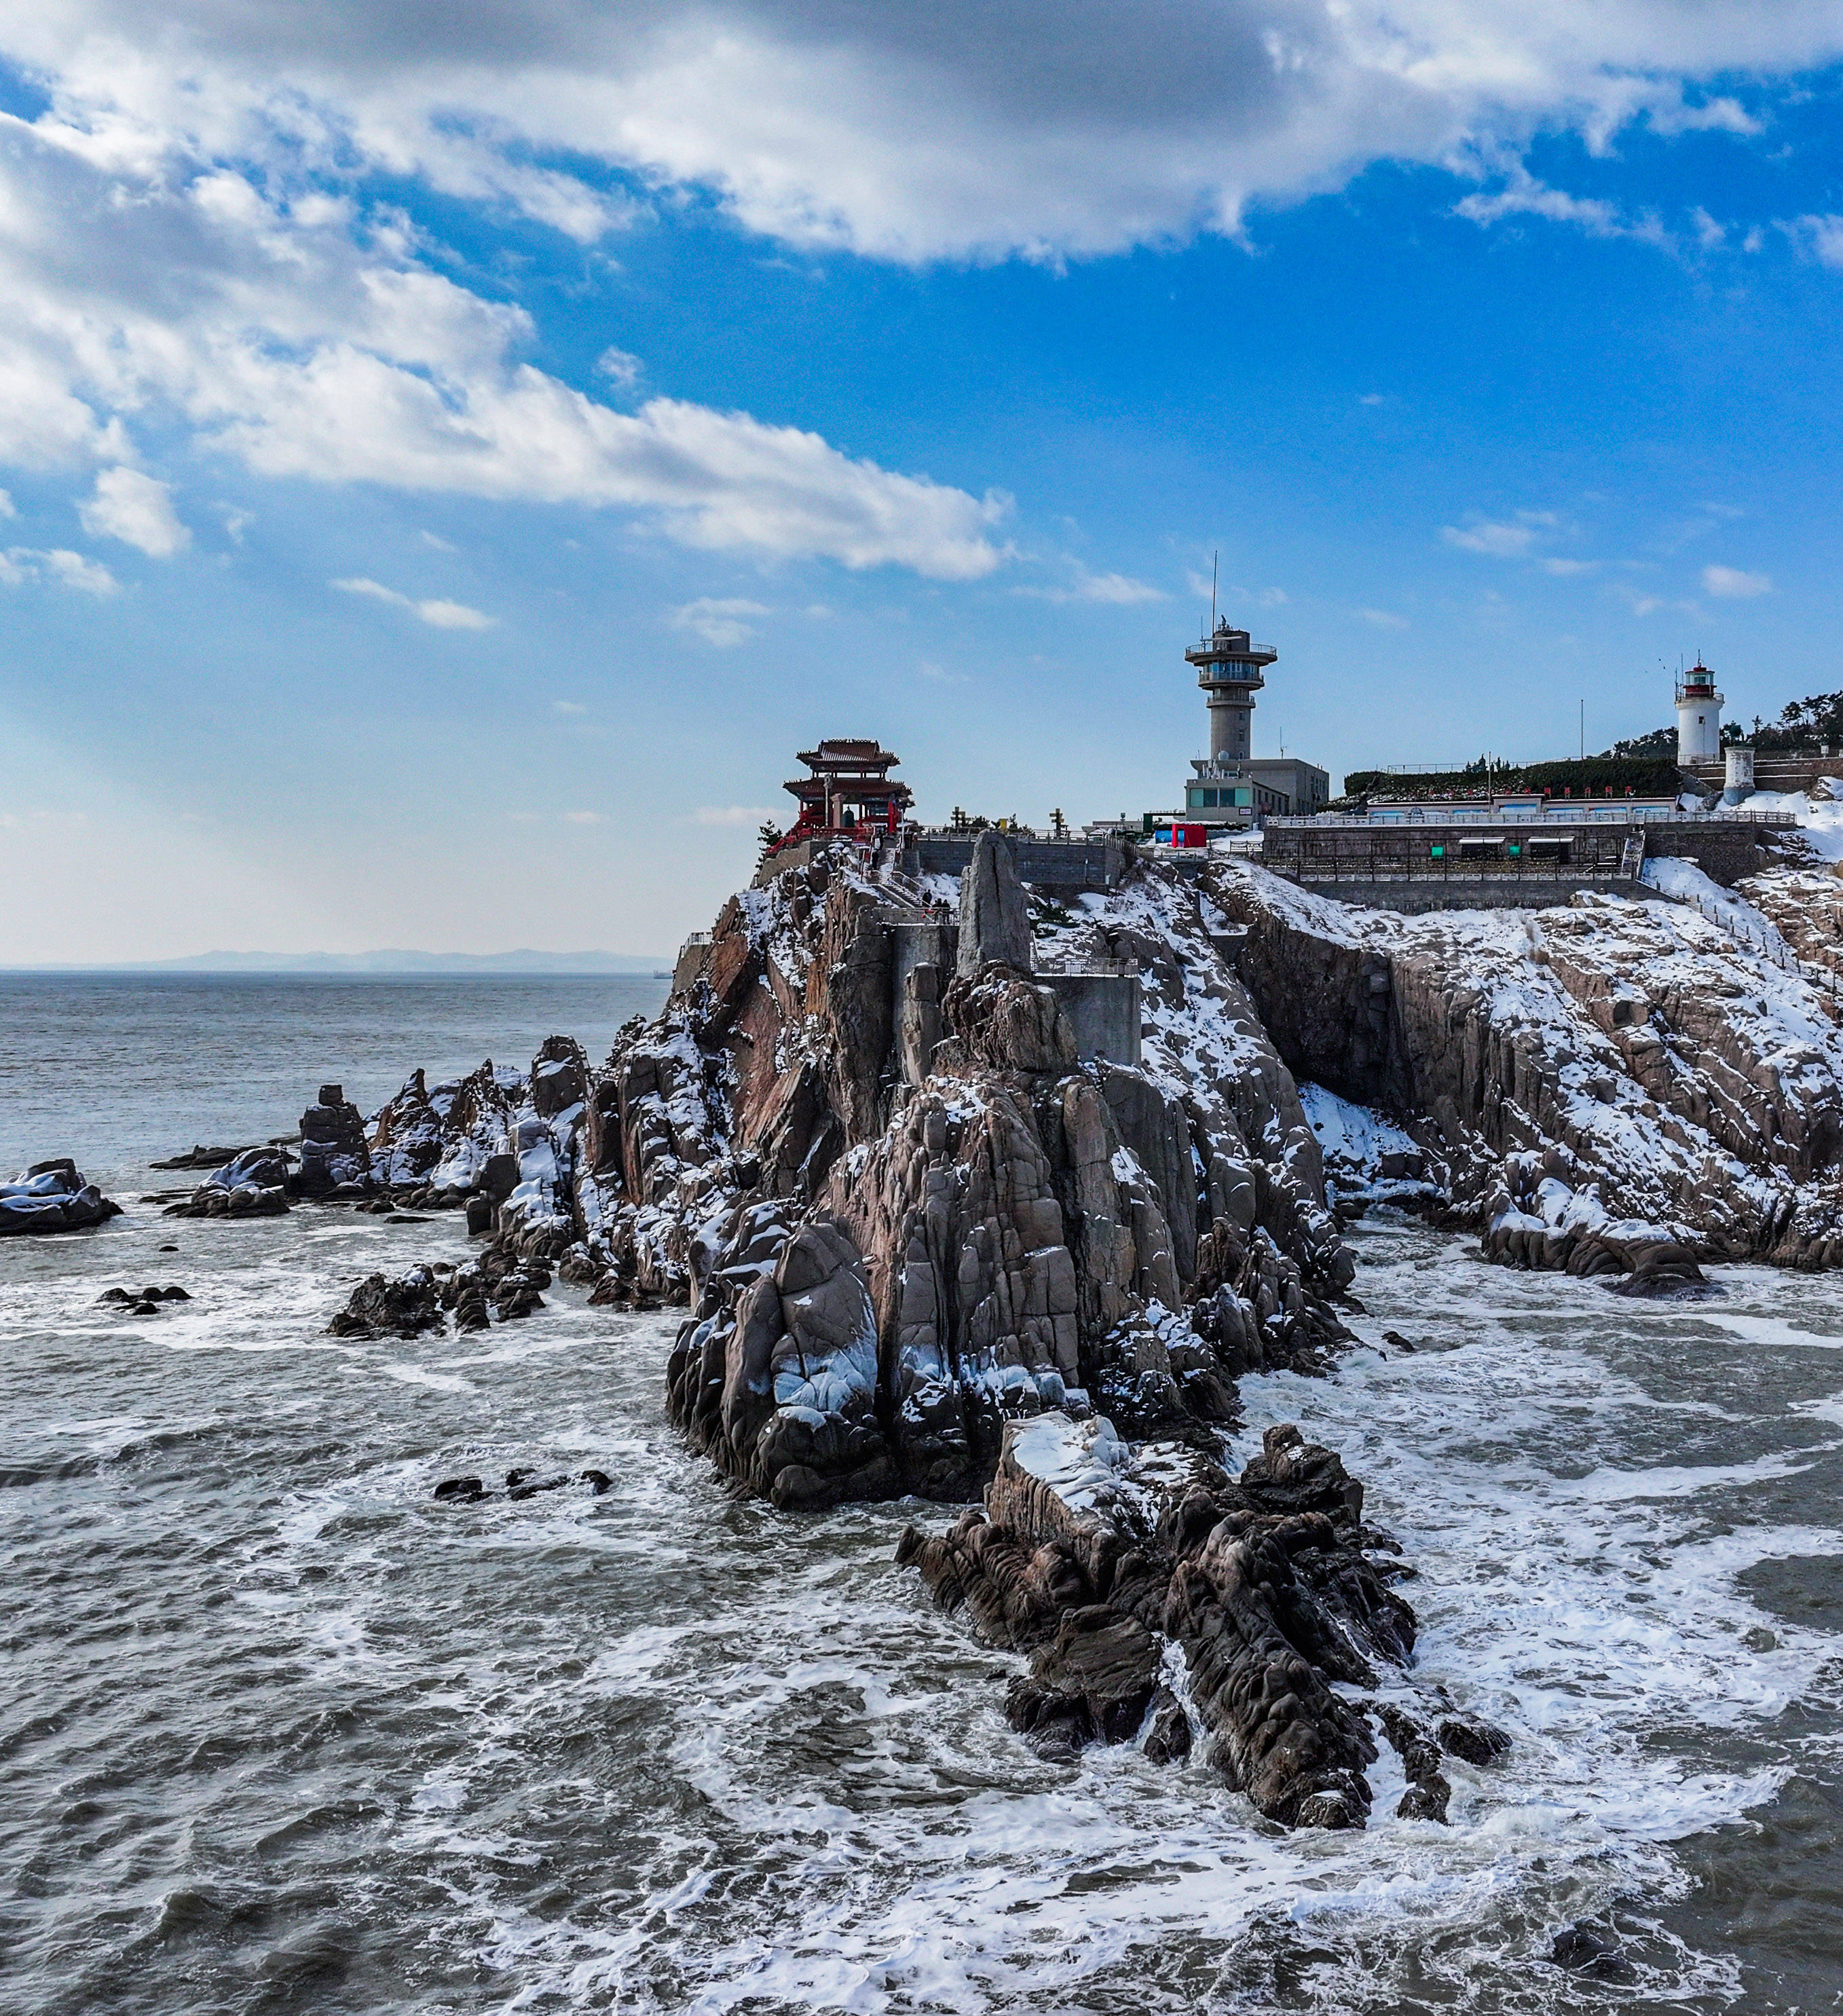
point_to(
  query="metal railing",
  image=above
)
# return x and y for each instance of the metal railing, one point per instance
(1768, 942)
(1461, 812)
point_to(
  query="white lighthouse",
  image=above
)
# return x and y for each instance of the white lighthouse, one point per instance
(1698, 717)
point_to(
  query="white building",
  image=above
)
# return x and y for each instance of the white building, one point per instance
(1698, 717)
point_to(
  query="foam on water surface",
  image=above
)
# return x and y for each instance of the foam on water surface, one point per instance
(285, 1731)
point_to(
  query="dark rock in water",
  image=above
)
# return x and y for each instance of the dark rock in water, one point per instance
(1088, 1555)
(1168, 1739)
(1582, 1950)
(499, 1177)
(479, 1215)
(1428, 1790)
(169, 1249)
(53, 1197)
(335, 1156)
(202, 1158)
(1664, 1269)
(404, 1218)
(253, 1184)
(1291, 1474)
(521, 1484)
(144, 1302)
(1477, 1742)
(1401, 1343)
(382, 1308)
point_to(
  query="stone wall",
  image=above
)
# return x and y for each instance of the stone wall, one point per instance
(1725, 850)
(1072, 866)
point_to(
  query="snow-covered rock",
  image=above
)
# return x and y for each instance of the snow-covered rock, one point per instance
(53, 1196)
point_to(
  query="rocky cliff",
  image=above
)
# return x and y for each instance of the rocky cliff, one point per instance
(1584, 1082)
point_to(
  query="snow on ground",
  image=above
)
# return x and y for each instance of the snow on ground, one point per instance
(1819, 813)
(1671, 876)
(1359, 1145)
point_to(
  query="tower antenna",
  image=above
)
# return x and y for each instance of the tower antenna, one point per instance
(1213, 559)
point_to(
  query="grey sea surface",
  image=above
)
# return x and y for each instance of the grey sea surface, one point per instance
(279, 1732)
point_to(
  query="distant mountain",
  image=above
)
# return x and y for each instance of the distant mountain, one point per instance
(457, 962)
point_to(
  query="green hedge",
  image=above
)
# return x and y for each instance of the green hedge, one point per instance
(1640, 775)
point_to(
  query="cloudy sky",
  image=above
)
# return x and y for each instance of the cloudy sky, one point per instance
(452, 456)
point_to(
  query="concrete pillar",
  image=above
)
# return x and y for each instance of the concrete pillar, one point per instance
(1231, 723)
(1740, 774)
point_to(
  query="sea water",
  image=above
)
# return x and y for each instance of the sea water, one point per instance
(281, 1733)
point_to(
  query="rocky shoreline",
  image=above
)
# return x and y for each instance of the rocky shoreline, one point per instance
(936, 1242)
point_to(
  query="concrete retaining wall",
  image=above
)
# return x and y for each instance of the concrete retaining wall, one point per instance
(1103, 1010)
(1523, 892)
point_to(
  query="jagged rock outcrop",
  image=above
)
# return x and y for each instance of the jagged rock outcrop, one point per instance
(1093, 1559)
(335, 1156)
(1020, 1233)
(497, 1284)
(53, 1197)
(1025, 1232)
(995, 916)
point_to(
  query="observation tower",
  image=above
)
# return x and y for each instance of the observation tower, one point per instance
(1231, 670)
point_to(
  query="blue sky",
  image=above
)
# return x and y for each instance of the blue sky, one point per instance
(449, 469)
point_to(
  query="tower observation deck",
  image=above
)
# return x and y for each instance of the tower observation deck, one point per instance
(1231, 670)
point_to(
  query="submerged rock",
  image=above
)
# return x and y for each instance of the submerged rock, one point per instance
(53, 1197)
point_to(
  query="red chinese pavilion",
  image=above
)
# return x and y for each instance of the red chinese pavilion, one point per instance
(850, 791)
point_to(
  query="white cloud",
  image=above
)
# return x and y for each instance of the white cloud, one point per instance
(1567, 568)
(584, 818)
(620, 367)
(1384, 619)
(568, 707)
(136, 509)
(310, 339)
(439, 614)
(1818, 238)
(436, 544)
(20, 566)
(718, 620)
(1120, 590)
(6, 510)
(1115, 588)
(1732, 583)
(737, 814)
(964, 130)
(1500, 542)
